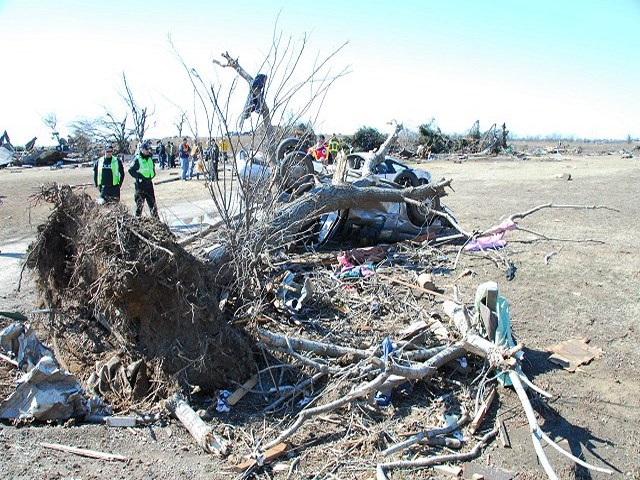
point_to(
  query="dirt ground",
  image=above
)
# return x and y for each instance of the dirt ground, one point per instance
(588, 288)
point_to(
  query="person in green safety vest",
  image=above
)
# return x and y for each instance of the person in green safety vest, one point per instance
(143, 170)
(334, 148)
(108, 175)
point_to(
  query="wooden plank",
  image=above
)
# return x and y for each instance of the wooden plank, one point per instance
(271, 454)
(424, 290)
(482, 411)
(504, 436)
(83, 452)
(242, 390)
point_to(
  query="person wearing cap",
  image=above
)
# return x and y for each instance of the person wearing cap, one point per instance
(108, 175)
(143, 170)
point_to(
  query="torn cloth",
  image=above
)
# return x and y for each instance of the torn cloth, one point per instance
(255, 100)
(493, 238)
(349, 270)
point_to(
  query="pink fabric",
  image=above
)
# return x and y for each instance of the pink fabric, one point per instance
(493, 238)
(482, 243)
(506, 225)
(344, 261)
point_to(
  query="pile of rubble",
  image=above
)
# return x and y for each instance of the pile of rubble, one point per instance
(358, 347)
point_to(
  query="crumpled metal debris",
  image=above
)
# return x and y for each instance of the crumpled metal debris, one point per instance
(19, 342)
(45, 393)
(291, 294)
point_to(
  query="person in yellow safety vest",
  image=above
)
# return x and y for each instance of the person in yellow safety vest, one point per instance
(334, 148)
(108, 175)
(223, 147)
(143, 170)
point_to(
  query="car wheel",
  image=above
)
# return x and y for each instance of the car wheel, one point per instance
(294, 167)
(421, 216)
(288, 145)
(406, 179)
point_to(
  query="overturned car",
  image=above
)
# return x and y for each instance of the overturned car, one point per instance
(378, 222)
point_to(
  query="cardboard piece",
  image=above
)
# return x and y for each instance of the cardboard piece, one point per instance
(573, 353)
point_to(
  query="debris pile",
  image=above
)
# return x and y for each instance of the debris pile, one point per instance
(355, 347)
(434, 141)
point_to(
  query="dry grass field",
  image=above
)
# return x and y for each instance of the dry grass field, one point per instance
(580, 281)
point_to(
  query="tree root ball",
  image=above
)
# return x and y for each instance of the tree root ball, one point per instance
(103, 269)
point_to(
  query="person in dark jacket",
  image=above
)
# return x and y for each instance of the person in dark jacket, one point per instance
(162, 154)
(143, 170)
(108, 175)
(183, 153)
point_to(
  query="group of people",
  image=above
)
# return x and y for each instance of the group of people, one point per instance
(166, 154)
(108, 171)
(108, 176)
(323, 151)
(194, 158)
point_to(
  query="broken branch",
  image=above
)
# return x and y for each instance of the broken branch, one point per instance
(426, 435)
(320, 348)
(200, 431)
(382, 468)
(519, 215)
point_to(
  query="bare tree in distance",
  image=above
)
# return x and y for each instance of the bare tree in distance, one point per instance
(179, 122)
(139, 115)
(110, 128)
(51, 121)
(180, 119)
(115, 128)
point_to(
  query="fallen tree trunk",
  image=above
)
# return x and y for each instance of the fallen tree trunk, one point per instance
(293, 217)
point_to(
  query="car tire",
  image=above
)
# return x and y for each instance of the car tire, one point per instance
(406, 179)
(419, 216)
(288, 145)
(294, 167)
(336, 229)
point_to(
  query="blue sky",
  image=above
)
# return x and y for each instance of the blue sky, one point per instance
(543, 67)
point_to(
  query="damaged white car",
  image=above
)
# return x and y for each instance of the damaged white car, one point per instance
(385, 222)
